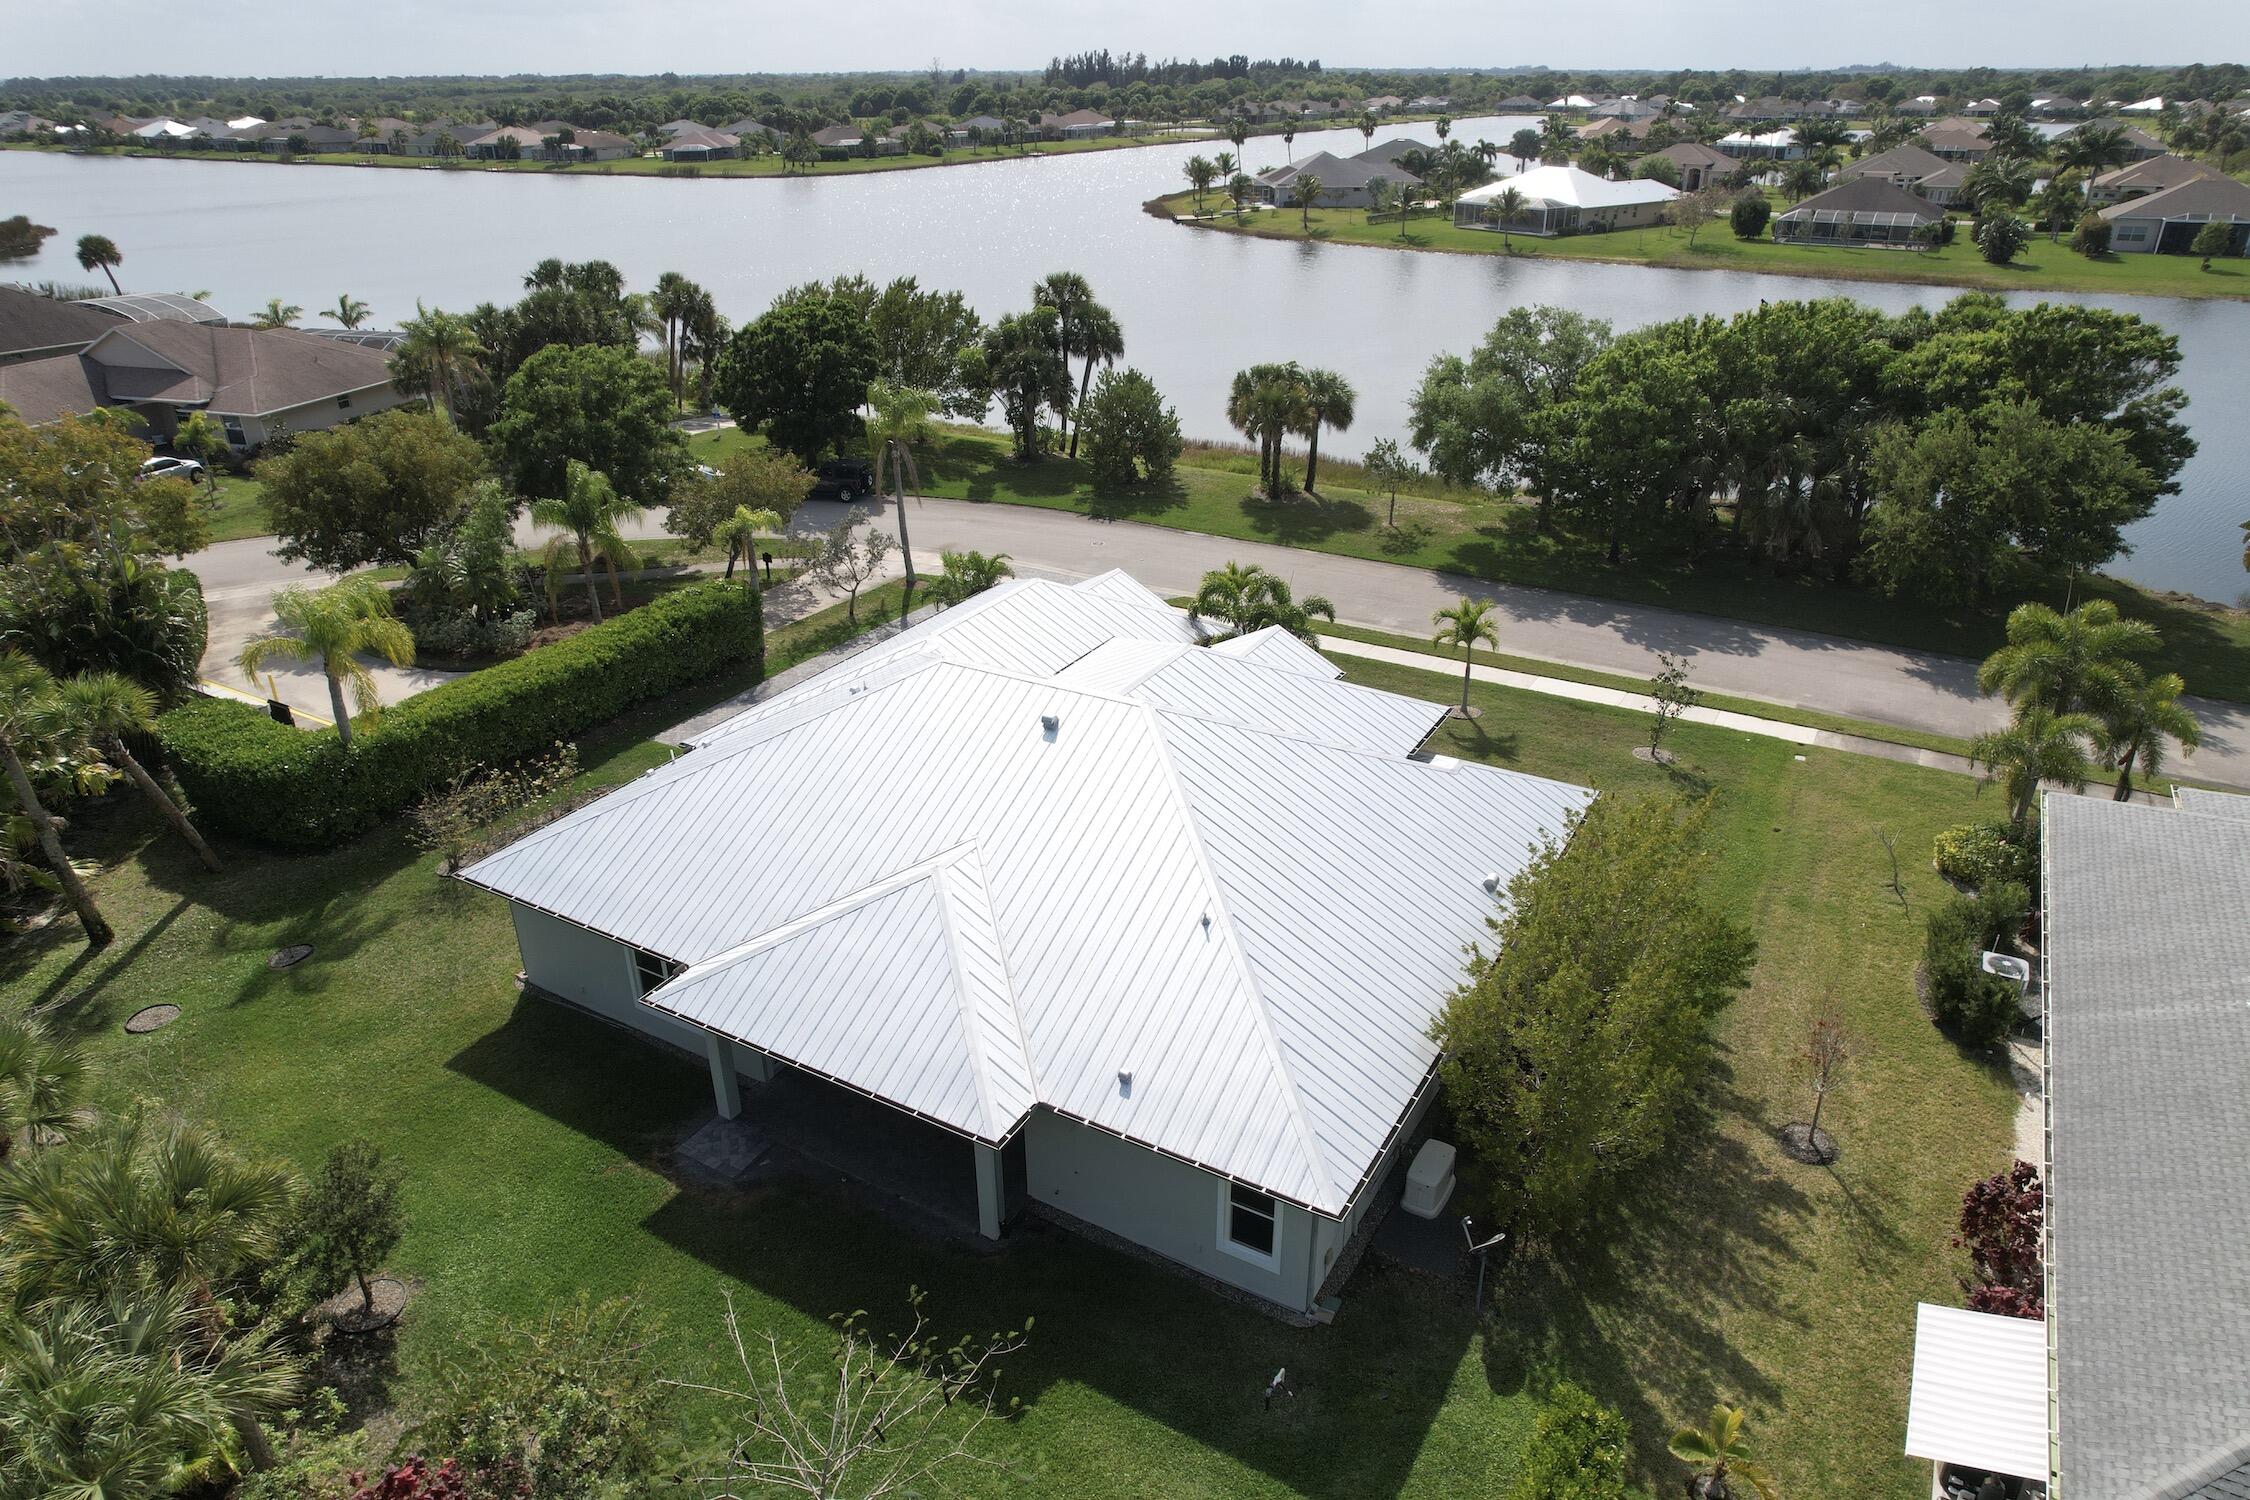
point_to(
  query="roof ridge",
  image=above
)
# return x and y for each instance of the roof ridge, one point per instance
(1224, 922)
(967, 864)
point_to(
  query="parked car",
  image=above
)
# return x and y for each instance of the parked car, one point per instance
(166, 466)
(845, 479)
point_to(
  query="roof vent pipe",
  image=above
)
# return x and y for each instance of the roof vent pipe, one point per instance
(1049, 723)
(1491, 884)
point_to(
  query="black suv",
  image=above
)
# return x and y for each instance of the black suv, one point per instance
(845, 479)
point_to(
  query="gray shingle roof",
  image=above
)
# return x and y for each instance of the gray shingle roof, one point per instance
(2148, 971)
(32, 325)
(2204, 198)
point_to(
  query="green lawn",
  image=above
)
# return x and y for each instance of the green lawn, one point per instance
(1482, 537)
(240, 510)
(536, 1144)
(2045, 266)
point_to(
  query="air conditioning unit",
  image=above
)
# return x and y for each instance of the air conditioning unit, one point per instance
(2008, 967)
(1429, 1181)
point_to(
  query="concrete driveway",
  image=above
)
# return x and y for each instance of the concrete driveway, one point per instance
(1907, 689)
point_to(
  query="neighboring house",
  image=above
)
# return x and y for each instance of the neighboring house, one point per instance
(1149, 935)
(977, 127)
(530, 143)
(425, 142)
(1863, 211)
(251, 381)
(1383, 104)
(1764, 145)
(698, 144)
(839, 141)
(2142, 144)
(1390, 153)
(156, 307)
(1901, 166)
(1617, 129)
(2167, 222)
(1519, 104)
(674, 127)
(1956, 145)
(1699, 166)
(1345, 181)
(36, 327)
(2140, 1389)
(1627, 109)
(1429, 104)
(1078, 125)
(1566, 200)
(747, 129)
(1571, 101)
(601, 145)
(313, 138)
(2151, 175)
(1915, 108)
(1943, 186)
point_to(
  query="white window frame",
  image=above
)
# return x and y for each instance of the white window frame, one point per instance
(1270, 1260)
(645, 964)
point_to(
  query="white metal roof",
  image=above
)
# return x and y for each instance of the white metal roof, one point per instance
(1980, 1391)
(1570, 185)
(1277, 648)
(1255, 926)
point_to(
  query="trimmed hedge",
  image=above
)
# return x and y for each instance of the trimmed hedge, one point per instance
(260, 780)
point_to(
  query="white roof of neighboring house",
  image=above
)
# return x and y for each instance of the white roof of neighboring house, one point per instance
(159, 129)
(1979, 1397)
(244, 122)
(1570, 185)
(1774, 139)
(1213, 910)
(2153, 106)
(1572, 101)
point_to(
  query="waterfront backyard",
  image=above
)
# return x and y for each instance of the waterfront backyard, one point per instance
(538, 1149)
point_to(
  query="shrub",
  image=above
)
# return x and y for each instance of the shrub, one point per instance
(1129, 432)
(1749, 215)
(2002, 238)
(2002, 1226)
(465, 635)
(1977, 854)
(260, 780)
(2091, 237)
(1577, 1450)
(1976, 1007)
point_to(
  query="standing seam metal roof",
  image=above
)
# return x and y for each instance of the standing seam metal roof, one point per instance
(1256, 927)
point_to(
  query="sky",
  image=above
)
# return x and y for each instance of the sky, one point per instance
(40, 38)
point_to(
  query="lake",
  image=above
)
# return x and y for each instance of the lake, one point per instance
(1195, 306)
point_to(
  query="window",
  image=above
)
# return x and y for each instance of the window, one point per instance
(343, 403)
(1247, 1220)
(652, 969)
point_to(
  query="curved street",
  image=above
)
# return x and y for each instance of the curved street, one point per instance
(1907, 689)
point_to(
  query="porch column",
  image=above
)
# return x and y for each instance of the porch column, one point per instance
(726, 1088)
(755, 1065)
(988, 1191)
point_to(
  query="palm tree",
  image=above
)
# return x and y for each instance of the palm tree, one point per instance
(739, 534)
(440, 344)
(111, 706)
(1223, 166)
(1239, 189)
(1069, 294)
(2081, 662)
(672, 301)
(118, 1396)
(1308, 188)
(1250, 599)
(2136, 726)
(585, 519)
(2093, 149)
(331, 627)
(42, 1085)
(1365, 125)
(968, 574)
(2061, 201)
(1504, 208)
(277, 314)
(100, 250)
(1464, 626)
(2040, 746)
(1444, 127)
(1329, 402)
(1265, 403)
(1098, 341)
(899, 418)
(1717, 1451)
(202, 439)
(349, 311)
(35, 723)
(1238, 130)
(1201, 173)
(1289, 141)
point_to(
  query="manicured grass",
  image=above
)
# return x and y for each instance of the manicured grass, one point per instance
(767, 165)
(2044, 265)
(239, 510)
(1482, 537)
(536, 1145)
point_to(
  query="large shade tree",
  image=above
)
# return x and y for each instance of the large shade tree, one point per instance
(598, 405)
(800, 372)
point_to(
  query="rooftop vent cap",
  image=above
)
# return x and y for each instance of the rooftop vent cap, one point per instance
(1491, 883)
(1049, 723)
(1125, 1082)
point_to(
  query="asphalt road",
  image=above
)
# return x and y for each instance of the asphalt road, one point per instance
(1909, 689)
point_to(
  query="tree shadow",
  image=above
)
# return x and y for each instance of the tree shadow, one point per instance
(1368, 1387)
(1305, 521)
(1688, 1247)
(1150, 497)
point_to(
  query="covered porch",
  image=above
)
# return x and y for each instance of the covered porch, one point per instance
(1978, 1407)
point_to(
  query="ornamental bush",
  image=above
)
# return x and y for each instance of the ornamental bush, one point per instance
(1749, 214)
(262, 780)
(1577, 1450)
(1977, 854)
(2091, 237)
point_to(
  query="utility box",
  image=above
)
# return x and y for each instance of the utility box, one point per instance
(1429, 1181)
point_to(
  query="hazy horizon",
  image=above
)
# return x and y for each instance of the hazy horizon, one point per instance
(235, 39)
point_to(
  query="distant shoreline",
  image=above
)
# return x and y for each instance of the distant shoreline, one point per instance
(2045, 266)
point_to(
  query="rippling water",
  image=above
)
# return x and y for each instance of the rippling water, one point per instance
(1195, 307)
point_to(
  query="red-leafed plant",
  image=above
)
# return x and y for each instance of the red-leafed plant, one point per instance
(413, 1480)
(2001, 1222)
